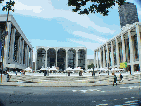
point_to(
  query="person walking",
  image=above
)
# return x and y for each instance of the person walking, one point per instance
(8, 77)
(45, 73)
(16, 72)
(99, 74)
(115, 80)
(121, 78)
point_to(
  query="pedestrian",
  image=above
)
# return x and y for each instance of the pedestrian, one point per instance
(121, 78)
(115, 80)
(8, 77)
(16, 72)
(108, 72)
(99, 74)
(20, 72)
(44, 73)
(92, 73)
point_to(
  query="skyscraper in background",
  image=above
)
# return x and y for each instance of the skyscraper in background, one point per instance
(128, 14)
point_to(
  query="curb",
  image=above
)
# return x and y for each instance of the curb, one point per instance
(67, 86)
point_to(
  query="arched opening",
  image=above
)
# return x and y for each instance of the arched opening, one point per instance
(71, 58)
(51, 57)
(61, 59)
(81, 58)
(40, 58)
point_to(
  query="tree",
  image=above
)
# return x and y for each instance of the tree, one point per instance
(90, 66)
(99, 6)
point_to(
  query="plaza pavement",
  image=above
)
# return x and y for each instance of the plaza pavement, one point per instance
(74, 80)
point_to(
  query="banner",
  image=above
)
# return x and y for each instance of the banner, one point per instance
(123, 65)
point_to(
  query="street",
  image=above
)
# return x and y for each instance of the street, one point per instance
(127, 94)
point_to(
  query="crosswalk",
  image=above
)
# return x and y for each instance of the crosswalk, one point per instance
(128, 101)
(131, 87)
(87, 91)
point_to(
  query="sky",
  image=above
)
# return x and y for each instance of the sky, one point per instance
(51, 23)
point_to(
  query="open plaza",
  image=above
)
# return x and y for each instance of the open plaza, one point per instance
(120, 54)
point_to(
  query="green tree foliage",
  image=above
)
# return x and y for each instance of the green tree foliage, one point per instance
(8, 6)
(99, 6)
(1, 1)
(90, 66)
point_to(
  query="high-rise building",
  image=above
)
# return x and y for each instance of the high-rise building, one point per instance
(128, 14)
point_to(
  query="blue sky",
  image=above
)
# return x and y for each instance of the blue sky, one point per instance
(52, 23)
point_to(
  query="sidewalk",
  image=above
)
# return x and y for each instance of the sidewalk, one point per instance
(58, 80)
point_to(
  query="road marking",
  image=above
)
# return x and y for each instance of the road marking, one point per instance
(101, 104)
(124, 87)
(133, 103)
(125, 98)
(115, 99)
(93, 101)
(74, 90)
(92, 89)
(103, 100)
(103, 91)
(132, 97)
(98, 90)
(129, 101)
(84, 91)
(126, 104)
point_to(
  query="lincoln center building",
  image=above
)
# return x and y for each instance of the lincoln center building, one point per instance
(125, 47)
(61, 57)
(18, 51)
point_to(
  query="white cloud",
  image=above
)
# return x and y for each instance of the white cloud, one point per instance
(46, 10)
(19, 6)
(88, 45)
(90, 36)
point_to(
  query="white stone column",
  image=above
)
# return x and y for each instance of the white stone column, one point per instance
(100, 58)
(104, 57)
(25, 48)
(76, 58)
(56, 56)
(66, 58)
(6, 47)
(45, 58)
(27, 56)
(32, 58)
(19, 50)
(86, 60)
(123, 48)
(30, 51)
(117, 52)
(12, 45)
(112, 55)
(131, 51)
(138, 31)
(95, 58)
(36, 60)
(20, 60)
(108, 61)
(22, 51)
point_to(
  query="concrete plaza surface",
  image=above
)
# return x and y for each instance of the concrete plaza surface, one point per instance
(74, 80)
